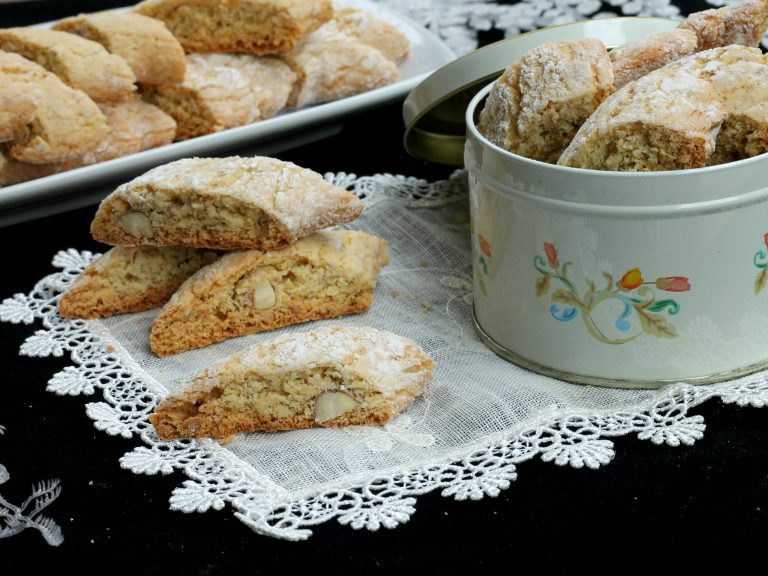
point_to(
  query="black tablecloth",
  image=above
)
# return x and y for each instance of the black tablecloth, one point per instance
(695, 502)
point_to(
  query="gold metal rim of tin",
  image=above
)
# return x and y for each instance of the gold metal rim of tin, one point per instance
(523, 362)
(434, 111)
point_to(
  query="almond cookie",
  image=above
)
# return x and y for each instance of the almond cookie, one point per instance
(223, 203)
(635, 59)
(133, 126)
(743, 24)
(131, 278)
(80, 63)
(212, 98)
(252, 26)
(270, 80)
(331, 65)
(17, 109)
(328, 377)
(152, 52)
(67, 124)
(325, 275)
(371, 31)
(739, 77)
(537, 105)
(12, 171)
(667, 120)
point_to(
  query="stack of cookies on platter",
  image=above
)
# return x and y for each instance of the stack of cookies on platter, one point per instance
(235, 246)
(103, 85)
(691, 97)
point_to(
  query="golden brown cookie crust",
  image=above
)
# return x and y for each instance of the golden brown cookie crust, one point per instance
(251, 26)
(67, 124)
(79, 63)
(536, 107)
(223, 203)
(130, 279)
(329, 377)
(17, 109)
(666, 120)
(326, 275)
(152, 52)
(635, 59)
(331, 65)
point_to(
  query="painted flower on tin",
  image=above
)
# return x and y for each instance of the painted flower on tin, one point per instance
(634, 294)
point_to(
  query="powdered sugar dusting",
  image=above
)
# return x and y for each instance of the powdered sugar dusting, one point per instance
(638, 58)
(558, 72)
(670, 99)
(385, 359)
(743, 24)
(333, 65)
(298, 198)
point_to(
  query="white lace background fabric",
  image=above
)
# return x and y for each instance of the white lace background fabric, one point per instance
(457, 22)
(480, 418)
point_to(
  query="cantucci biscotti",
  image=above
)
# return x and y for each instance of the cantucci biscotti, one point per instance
(635, 59)
(370, 30)
(743, 24)
(67, 124)
(223, 203)
(79, 63)
(17, 109)
(13, 171)
(130, 279)
(331, 65)
(212, 98)
(147, 46)
(666, 120)
(535, 108)
(328, 274)
(269, 79)
(252, 26)
(739, 77)
(328, 377)
(134, 126)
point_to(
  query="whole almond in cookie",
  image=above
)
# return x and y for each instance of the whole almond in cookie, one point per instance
(223, 203)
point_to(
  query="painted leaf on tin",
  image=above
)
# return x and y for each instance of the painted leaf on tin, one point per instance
(760, 280)
(565, 297)
(542, 286)
(656, 324)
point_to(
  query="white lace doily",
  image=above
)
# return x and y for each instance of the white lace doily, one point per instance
(458, 22)
(480, 418)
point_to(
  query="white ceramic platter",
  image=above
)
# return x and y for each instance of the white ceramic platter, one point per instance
(87, 185)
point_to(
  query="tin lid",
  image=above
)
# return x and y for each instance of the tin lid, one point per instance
(434, 111)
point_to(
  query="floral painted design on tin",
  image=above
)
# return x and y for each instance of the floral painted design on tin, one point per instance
(485, 252)
(635, 295)
(761, 262)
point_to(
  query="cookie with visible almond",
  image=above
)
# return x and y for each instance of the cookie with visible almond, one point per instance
(327, 377)
(328, 274)
(223, 204)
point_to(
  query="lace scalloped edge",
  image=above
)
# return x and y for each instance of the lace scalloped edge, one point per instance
(216, 478)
